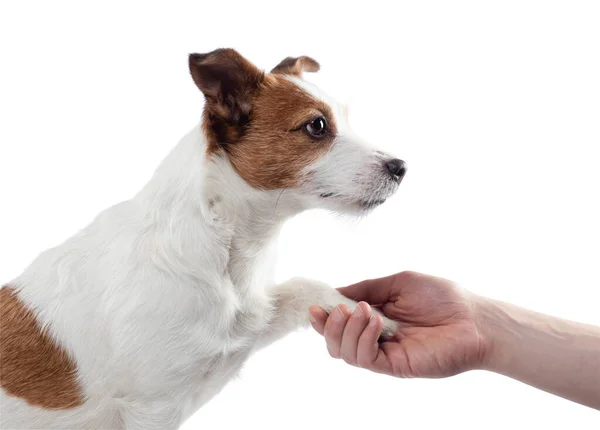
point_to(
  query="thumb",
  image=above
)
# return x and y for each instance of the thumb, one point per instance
(372, 291)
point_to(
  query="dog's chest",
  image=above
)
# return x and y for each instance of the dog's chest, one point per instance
(240, 311)
(245, 325)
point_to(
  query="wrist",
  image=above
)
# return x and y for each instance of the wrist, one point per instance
(489, 319)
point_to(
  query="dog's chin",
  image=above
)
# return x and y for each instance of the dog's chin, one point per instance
(350, 205)
(367, 205)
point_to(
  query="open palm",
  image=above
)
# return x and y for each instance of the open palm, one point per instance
(438, 333)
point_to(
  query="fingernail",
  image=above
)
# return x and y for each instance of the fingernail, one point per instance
(373, 321)
(337, 314)
(358, 312)
(311, 317)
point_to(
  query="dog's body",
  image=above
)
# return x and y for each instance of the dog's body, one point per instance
(149, 311)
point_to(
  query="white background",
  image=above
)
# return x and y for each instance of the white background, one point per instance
(494, 105)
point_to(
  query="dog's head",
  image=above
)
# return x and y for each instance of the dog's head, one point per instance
(280, 132)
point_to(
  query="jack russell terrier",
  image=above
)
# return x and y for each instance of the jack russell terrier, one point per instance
(143, 316)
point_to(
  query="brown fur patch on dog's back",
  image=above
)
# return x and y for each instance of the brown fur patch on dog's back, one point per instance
(32, 366)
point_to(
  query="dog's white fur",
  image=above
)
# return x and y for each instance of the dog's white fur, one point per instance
(163, 297)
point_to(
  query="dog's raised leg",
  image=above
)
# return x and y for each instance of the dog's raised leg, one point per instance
(292, 299)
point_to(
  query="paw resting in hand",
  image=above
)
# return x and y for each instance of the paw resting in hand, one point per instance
(352, 335)
(304, 293)
(389, 329)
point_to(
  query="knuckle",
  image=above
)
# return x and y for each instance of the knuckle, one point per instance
(407, 275)
(363, 362)
(349, 359)
(333, 353)
(360, 363)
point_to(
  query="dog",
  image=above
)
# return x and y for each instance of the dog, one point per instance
(143, 316)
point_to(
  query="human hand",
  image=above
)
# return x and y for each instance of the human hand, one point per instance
(438, 335)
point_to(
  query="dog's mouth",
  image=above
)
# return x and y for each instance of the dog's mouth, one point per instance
(365, 204)
(370, 204)
(326, 195)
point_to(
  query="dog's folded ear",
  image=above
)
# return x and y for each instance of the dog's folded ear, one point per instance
(227, 80)
(296, 65)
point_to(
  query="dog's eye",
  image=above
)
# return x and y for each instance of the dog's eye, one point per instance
(316, 127)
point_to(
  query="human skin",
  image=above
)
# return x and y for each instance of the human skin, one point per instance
(445, 330)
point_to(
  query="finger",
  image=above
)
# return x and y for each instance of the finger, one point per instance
(368, 343)
(318, 317)
(371, 354)
(334, 328)
(372, 291)
(353, 330)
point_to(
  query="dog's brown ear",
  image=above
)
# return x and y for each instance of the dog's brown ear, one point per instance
(227, 80)
(296, 65)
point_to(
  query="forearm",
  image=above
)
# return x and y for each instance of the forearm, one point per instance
(555, 355)
(290, 302)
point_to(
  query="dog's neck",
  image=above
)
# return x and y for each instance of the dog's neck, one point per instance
(200, 197)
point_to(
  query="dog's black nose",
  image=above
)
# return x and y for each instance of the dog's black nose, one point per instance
(396, 167)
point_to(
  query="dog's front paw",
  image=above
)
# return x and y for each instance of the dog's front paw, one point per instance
(390, 327)
(301, 293)
(305, 285)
